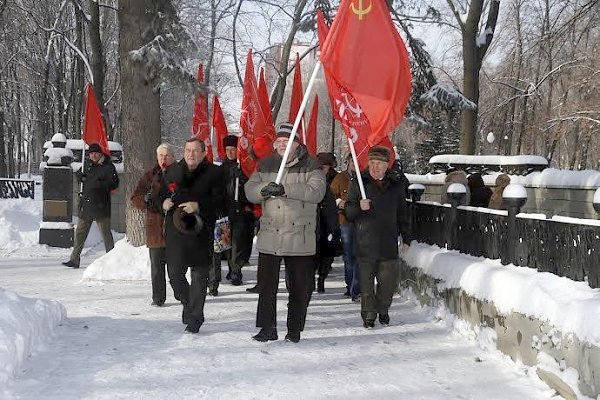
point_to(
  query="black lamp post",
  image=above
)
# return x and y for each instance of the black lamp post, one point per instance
(514, 197)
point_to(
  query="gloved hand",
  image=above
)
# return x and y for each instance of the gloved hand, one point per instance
(272, 190)
(236, 173)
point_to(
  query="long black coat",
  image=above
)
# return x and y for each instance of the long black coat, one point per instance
(328, 222)
(98, 181)
(231, 171)
(377, 229)
(205, 186)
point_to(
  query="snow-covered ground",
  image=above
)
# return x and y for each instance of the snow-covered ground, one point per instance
(113, 345)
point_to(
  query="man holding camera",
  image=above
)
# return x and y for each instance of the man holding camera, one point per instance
(191, 194)
(148, 188)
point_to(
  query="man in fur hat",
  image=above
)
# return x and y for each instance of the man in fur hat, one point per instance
(379, 220)
(241, 218)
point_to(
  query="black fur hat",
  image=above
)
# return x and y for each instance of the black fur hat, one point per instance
(230, 141)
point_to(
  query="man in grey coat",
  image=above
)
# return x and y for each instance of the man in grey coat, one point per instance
(287, 231)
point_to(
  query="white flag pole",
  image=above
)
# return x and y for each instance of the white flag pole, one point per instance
(288, 148)
(361, 186)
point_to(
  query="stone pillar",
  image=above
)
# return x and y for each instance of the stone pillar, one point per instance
(56, 228)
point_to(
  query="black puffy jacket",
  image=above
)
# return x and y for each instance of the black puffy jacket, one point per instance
(98, 181)
(377, 229)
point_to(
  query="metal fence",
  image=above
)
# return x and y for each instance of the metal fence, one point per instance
(16, 188)
(565, 249)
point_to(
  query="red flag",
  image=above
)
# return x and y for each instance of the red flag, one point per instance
(220, 126)
(253, 122)
(311, 130)
(94, 130)
(200, 127)
(265, 104)
(346, 110)
(381, 85)
(296, 98)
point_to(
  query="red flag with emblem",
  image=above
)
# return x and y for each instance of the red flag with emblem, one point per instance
(200, 127)
(253, 122)
(265, 105)
(363, 30)
(296, 98)
(220, 126)
(345, 109)
(311, 129)
(94, 130)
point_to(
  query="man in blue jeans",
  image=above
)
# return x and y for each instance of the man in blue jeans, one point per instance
(339, 187)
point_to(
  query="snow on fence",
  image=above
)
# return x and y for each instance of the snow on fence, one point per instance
(16, 188)
(561, 247)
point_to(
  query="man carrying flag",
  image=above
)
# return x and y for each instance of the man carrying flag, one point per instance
(98, 178)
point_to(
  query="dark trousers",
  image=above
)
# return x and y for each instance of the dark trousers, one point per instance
(297, 268)
(158, 260)
(214, 275)
(82, 231)
(242, 234)
(376, 299)
(192, 295)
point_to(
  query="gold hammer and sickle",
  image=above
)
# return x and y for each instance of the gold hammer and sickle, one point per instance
(360, 11)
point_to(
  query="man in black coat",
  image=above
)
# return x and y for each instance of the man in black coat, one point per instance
(195, 188)
(99, 179)
(379, 220)
(239, 210)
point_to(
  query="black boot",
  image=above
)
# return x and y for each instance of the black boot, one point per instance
(184, 315)
(253, 289)
(265, 335)
(293, 337)
(384, 319)
(369, 323)
(71, 264)
(321, 285)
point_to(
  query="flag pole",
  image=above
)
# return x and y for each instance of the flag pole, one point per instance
(288, 148)
(361, 185)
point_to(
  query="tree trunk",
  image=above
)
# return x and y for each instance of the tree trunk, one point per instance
(140, 108)
(3, 171)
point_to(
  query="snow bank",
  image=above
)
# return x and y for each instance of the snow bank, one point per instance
(123, 263)
(24, 324)
(19, 224)
(568, 305)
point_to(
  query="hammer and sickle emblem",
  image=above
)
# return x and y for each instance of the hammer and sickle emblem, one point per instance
(360, 11)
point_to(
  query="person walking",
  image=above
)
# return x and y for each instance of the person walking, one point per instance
(239, 210)
(191, 195)
(339, 188)
(148, 188)
(99, 178)
(379, 220)
(328, 237)
(287, 231)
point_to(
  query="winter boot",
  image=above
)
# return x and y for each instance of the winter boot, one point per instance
(293, 337)
(321, 285)
(384, 319)
(265, 335)
(369, 324)
(71, 264)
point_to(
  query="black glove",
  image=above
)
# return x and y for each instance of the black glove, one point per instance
(272, 189)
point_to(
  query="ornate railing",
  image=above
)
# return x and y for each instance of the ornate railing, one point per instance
(565, 249)
(16, 188)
